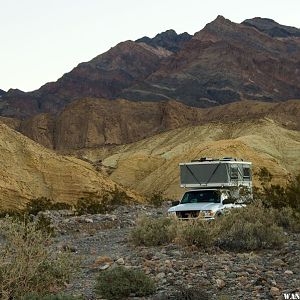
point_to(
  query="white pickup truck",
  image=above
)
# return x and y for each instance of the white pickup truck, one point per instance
(202, 203)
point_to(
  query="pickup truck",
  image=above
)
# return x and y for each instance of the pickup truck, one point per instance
(202, 203)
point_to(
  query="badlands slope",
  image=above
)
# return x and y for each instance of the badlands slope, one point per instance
(28, 170)
(152, 164)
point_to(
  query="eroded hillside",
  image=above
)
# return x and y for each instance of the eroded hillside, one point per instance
(152, 164)
(28, 170)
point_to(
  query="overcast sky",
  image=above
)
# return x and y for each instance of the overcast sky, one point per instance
(40, 40)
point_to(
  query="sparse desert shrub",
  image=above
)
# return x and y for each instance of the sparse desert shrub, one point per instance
(93, 205)
(184, 293)
(43, 223)
(156, 199)
(224, 297)
(34, 206)
(264, 175)
(249, 228)
(287, 218)
(60, 206)
(120, 283)
(50, 297)
(277, 196)
(27, 265)
(197, 233)
(119, 197)
(11, 213)
(153, 231)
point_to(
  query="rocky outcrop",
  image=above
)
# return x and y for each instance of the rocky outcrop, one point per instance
(272, 28)
(28, 170)
(169, 40)
(91, 123)
(97, 122)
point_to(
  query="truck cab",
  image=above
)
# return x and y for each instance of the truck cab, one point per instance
(202, 203)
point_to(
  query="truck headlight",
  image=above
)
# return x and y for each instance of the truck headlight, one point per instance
(208, 213)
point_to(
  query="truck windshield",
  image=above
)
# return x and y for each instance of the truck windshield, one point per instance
(200, 197)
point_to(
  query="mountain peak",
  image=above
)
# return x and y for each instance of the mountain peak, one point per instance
(168, 39)
(272, 28)
(2, 92)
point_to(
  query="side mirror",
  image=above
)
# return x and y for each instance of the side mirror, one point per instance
(229, 201)
(174, 203)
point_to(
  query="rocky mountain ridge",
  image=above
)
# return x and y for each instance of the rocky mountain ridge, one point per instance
(224, 62)
(169, 40)
(90, 123)
(272, 28)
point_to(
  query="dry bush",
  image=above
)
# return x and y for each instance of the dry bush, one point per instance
(287, 218)
(249, 228)
(96, 204)
(34, 206)
(157, 199)
(184, 293)
(276, 196)
(93, 205)
(153, 231)
(50, 297)
(120, 283)
(199, 233)
(119, 197)
(27, 265)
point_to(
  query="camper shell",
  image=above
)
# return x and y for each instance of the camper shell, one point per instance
(216, 173)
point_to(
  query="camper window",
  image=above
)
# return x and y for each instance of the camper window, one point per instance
(246, 173)
(234, 172)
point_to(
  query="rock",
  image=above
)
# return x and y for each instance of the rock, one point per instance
(274, 291)
(120, 261)
(270, 273)
(102, 262)
(88, 220)
(104, 267)
(69, 248)
(288, 272)
(220, 283)
(243, 280)
(160, 275)
(278, 262)
(220, 274)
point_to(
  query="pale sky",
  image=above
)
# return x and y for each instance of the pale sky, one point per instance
(41, 40)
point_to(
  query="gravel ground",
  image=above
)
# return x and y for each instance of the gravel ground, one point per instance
(102, 241)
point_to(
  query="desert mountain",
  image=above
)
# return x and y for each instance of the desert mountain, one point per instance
(105, 76)
(224, 62)
(151, 165)
(91, 123)
(28, 170)
(272, 28)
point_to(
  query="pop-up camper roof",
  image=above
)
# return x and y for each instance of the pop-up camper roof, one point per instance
(208, 172)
